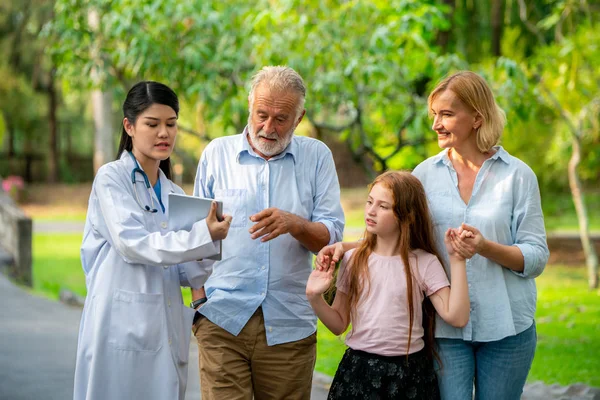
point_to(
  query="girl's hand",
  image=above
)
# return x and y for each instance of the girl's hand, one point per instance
(318, 282)
(471, 241)
(329, 256)
(218, 229)
(453, 245)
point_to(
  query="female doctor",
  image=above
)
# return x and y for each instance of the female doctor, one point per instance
(135, 331)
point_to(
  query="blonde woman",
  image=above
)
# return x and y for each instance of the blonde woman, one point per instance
(495, 199)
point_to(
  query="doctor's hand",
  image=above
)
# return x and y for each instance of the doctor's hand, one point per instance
(273, 222)
(218, 229)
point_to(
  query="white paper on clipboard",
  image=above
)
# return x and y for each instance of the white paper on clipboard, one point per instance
(185, 210)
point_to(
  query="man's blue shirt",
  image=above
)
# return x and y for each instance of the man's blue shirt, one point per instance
(302, 180)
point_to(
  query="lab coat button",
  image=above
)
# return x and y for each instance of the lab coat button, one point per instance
(163, 225)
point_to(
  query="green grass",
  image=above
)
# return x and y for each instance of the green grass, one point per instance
(568, 315)
(76, 216)
(568, 322)
(57, 265)
(559, 210)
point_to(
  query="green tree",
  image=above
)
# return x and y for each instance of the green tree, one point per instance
(27, 72)
(368, 66)
(569, 85)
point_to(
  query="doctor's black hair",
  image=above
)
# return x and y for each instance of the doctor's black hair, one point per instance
(139, 98)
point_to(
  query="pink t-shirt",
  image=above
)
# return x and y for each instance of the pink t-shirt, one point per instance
(382, 320)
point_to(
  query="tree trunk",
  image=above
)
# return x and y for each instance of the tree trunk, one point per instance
(497, 14)
(101, 104)
(103, 141)
(52, 176)
(591, 257)
(10, 136)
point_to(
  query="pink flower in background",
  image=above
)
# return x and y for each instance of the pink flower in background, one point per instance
(13, 183)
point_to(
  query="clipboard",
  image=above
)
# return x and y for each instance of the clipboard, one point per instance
(185, 210)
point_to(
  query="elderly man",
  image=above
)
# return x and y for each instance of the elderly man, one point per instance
(257, 332)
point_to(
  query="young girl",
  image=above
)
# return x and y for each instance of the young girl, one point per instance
(390, 352)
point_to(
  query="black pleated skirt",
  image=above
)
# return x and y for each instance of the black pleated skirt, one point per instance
(363, 376)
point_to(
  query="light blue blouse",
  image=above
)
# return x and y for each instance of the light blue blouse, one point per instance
(505, 206)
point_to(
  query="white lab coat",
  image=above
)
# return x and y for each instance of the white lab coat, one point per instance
(135, 330)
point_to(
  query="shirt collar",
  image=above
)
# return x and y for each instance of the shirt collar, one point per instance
(244, 147)
(500, 153)
(131, 163)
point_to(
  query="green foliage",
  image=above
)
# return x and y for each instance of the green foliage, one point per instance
(559, 211)
(569, 86)
(376, 76)
(2, 128)
(196, 47)
(369, 66)
(22, 108)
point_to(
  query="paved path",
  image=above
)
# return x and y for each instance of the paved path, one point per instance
(58, 227)
(38, 342)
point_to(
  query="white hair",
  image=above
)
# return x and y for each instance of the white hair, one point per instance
(280, 79)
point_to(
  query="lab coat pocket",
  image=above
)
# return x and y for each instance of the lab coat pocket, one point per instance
(137, 320)
(234, 204)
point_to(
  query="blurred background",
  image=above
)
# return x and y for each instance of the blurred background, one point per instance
(66, 66)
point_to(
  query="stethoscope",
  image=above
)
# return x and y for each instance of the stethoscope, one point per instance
(138, 170)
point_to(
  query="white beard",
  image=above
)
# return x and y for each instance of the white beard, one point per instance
(269, 149)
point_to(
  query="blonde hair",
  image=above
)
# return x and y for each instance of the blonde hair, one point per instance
(473, 91)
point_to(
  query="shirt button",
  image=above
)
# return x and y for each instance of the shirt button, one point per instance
(170, 341)
(262, 293)
(263, 268)
(270, 329)
(163, 225)
(169, 302)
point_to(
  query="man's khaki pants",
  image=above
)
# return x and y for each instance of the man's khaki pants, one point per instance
(239, 367)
